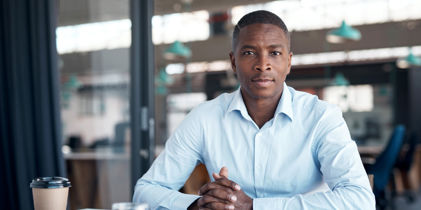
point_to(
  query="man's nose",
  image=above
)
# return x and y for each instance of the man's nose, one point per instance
(263, 63)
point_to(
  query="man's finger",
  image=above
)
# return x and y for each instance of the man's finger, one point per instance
(227, 183)
(224, 194)
(210, 186)
(215, 205)
(219, 183)
(206, 200)
(210, 203)
(216, 176)
(224, 172)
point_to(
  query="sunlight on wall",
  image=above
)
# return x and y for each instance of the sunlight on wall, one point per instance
(357, 98)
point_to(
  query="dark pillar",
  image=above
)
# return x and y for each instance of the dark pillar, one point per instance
(141, 88)
(399, 79)
(414, 77)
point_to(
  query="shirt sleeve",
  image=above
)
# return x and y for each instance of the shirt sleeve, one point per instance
(340, 164)
(159, 186)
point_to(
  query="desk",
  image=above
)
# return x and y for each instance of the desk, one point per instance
(370, 151)
(368, 154)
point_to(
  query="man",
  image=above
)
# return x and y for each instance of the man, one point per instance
(270, 146)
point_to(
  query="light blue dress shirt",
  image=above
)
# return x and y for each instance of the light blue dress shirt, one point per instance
(281, 165)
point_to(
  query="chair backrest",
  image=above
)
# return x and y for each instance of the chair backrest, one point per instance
(386, 160)
(406, 162)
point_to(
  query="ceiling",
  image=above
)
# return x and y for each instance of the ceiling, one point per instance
(87, 11)
(175, 6)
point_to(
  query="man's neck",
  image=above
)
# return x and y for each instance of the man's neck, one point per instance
(261, 110)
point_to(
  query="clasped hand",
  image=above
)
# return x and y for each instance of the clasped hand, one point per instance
(223, 194)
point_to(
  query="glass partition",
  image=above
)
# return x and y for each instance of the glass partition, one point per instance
(93, 42)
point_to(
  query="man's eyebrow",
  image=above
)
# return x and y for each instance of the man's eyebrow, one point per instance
(247, 47)
(273, 46)
(277, 46)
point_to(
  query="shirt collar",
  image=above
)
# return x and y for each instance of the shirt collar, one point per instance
(284, 105)
(237, 103)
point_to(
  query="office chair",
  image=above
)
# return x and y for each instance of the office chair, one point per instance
(404, 164)
(383, 166)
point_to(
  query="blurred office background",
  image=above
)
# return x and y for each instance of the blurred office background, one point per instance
(91, 89)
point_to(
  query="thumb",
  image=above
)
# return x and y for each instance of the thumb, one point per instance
(224, 172)
(216, 176)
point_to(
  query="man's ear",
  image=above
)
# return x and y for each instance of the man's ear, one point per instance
(232, 58)
(289, 62)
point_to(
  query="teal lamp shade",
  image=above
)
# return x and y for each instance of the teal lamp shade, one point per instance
(339, 80)
(343, 33)
(177, 50)
(164, 77)
(72, 83)
(161, 82)
(408, 61)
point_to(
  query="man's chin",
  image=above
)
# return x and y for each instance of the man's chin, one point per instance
(263, 94)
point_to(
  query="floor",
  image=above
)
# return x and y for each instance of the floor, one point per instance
(402, 204)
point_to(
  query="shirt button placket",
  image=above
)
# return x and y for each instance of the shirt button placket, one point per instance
(257, 161)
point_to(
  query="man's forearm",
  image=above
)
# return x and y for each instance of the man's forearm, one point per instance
(157, 196)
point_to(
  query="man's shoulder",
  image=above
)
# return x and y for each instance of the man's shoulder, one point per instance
(206, 113)
(309, 103)
(214, 107)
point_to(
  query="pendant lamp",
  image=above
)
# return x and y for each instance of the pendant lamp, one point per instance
(177, 50)
(342, 34)
(339, 80)
(408, 61)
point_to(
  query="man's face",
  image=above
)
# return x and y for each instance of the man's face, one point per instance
(261, 60)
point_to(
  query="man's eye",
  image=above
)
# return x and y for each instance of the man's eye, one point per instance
(248, 53)
(276, 53)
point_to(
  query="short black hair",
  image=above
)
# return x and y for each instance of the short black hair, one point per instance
(259, 16)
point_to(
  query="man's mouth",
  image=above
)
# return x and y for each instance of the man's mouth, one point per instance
(263, 82)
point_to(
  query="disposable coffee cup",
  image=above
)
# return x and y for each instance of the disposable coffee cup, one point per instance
(50, 193)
